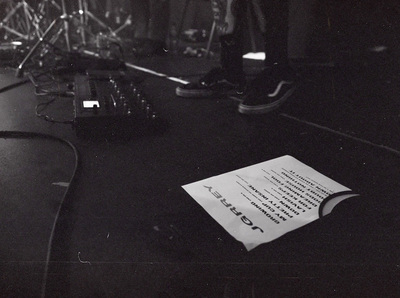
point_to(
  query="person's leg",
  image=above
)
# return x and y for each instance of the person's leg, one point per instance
(150, 19)
(229, 19)
(301, 19)
(276, 31)
(287, 28)
(159, 19)
(140, 16)
(152, 28)
(230, 23)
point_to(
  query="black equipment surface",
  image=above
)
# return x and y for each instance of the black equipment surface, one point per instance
(111, 103)
(68, 63)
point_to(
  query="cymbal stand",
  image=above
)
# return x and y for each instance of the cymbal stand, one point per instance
(127, 23)
(87, 14)
(62, 23)
(46, 10)
(43, 6)
(21, 20)
(82, 14)
(63, 26)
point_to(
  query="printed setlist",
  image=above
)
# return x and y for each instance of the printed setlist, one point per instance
(260, 203)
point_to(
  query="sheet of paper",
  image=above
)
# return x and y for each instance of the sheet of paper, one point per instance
(260, 203)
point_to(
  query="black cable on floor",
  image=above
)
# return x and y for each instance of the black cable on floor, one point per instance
(42, 106)
(35, 135)
(15, 85)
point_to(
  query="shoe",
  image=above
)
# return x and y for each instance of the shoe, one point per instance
(269, 90)
(216, 81)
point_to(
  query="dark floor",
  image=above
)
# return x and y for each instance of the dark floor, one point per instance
(128, 229)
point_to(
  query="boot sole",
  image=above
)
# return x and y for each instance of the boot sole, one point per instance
(263, 109)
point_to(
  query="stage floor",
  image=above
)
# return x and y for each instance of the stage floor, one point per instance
(128, 229)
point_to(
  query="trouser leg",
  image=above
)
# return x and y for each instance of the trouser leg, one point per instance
(140, 16)
(158, 21)
(229, 17)
(287, 26)
(301, 18)
(276, 31)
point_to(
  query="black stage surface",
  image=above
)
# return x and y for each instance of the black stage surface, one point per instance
(128, 229)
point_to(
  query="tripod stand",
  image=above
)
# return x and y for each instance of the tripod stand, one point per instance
(21, 20)
(88, 15)
(47, 9)
(63, 22)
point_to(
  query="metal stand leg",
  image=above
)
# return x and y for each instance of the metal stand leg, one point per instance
(82, 9)
(89, 15)
(20, 70)
(21, 20)
(63, 22)
(182, 21)
(210, 39)
(65, 19)
(66, 25)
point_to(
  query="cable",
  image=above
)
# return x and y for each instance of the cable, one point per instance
(15, 85)
(33, 135)
(33, 77)
(43, 88)
(47, 117)
(45, 92)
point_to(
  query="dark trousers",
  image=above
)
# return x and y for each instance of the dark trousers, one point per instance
(150, 19)
(286, 26)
